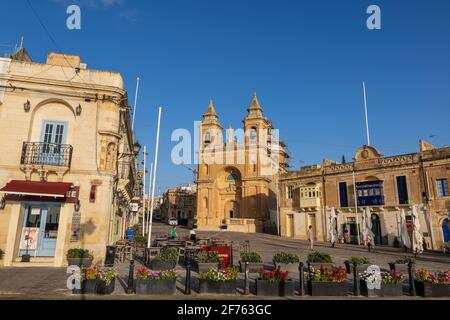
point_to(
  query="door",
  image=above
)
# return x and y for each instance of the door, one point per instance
(290, 226)
(53, 136)
(312, 222)
(46, 219)
(446, 230)
(376, 229)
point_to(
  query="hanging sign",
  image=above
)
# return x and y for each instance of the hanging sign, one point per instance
(76, 227)
(29, 238)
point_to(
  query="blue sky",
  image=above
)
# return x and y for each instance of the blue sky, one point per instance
(305, 59)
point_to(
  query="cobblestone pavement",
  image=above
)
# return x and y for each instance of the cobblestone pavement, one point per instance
(50, 283)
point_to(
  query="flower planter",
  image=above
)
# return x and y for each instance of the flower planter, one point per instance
(89, 286)
(162, 265)
(317, 265)
(155, 287)
(103, 288)
(206, 266)
(426, 289)
(217, 287)
(253, 267)
(386, 290)
(277, 289)
(317, 288)
(290, 267)
(81, 262)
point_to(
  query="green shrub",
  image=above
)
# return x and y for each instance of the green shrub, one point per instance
(252, 257)
(405, 260)
(208, 257)
(79, 253)
(168, 255)
(359, 260)
(283, 257)
(319, 257)
(1, 254)
(138, 238)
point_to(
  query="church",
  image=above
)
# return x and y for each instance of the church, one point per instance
(238, 176)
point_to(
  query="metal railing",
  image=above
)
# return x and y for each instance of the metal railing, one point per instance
(41, 153)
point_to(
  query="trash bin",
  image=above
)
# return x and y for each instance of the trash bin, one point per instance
(110, 256)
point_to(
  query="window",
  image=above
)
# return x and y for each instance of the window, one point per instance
(253, 135)
(207, 137)
(289, 192)
(343, 199)
(370, 193)
(442, 188)
(402, 190)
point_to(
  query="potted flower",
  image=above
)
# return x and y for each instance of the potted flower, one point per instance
(106, 281)
(286, 261)
(432, 284)
(362, 263)
(401, 264)
(206, 260)
(219, 281)
(165, 260)
(255, 262)
(327, 281)
(89, 280)
(390, 284)
(274, 283)
(317, 259)
(79, 257)
(155, 282)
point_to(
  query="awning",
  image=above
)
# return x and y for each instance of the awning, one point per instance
(37, 188)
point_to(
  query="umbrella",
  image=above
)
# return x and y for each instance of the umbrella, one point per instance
(417, 237)
(364, 227)
(370, 237)
(404, 235)
(332, 228)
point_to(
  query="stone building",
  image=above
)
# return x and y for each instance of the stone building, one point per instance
(68, 170)
(384, 184)
(180, 203)
(237, 177)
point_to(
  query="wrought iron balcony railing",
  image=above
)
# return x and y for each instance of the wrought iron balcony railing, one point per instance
(51, 154)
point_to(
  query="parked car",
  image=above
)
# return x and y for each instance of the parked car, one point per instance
(173, 221)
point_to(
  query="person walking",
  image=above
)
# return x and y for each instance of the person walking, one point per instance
(346, 235)
(173, 233)
(310, 235)
(192, 235)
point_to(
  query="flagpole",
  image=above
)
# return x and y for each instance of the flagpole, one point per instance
(149, 192)
(143, 205)
(365, 112)
(135, 103)
(149, 239)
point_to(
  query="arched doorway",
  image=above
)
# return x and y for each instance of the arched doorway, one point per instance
(376, 228)
(231, 210)
(446, 230)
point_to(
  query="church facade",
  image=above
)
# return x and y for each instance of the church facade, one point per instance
(238, 175)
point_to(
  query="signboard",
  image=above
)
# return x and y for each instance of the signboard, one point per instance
(76, 227)
(224, 255)
(29, 238)
(134, 206)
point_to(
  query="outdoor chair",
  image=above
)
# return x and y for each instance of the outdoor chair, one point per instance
(120, 252)
(151, 253)
(128, 253)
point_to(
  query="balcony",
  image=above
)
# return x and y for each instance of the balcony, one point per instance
(48, 154)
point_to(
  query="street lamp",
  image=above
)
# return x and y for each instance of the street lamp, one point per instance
(137, 148)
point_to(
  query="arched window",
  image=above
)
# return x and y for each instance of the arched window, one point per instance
(253, 135)
(207, 137)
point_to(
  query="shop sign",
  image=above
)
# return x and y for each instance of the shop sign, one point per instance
(29, 238)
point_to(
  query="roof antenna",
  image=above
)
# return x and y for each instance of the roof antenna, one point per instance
(21, 43)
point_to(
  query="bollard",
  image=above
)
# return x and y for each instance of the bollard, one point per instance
(247, 282)
(309, 281)
(300, 279)
(355, 280)
(188, 277)
(412, 288)
(130, 286)
(369, 245)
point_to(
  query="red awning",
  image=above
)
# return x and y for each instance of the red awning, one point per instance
(36, 188)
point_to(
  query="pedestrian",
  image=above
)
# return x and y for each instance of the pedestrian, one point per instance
(310, 235)
(173, 233)
(346, 235)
